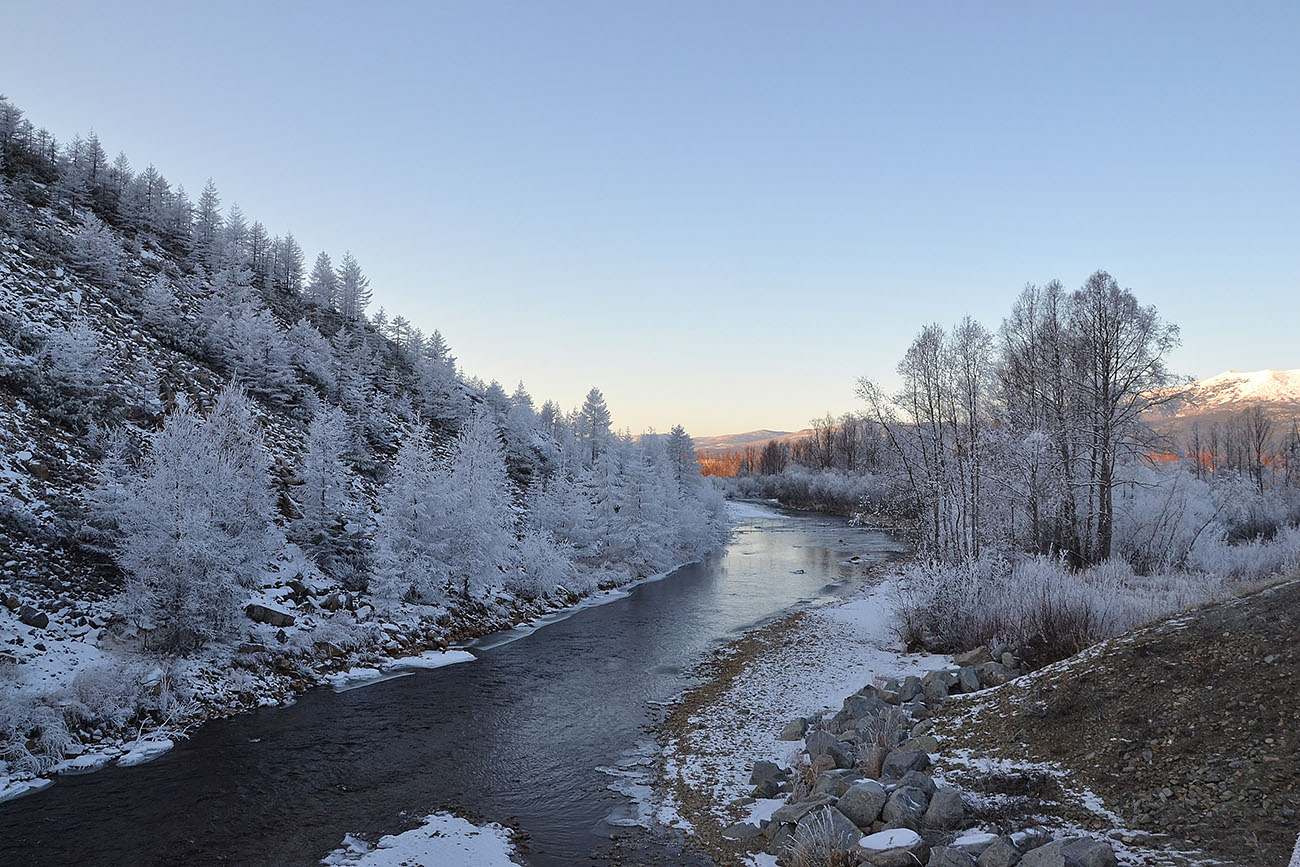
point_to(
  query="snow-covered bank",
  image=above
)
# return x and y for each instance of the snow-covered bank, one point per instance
(441, 840)
(796, 668)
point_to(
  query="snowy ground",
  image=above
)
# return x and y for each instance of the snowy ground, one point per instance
(442, 840)
(836, 650)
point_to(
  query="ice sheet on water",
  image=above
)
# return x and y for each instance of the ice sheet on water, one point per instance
(144, 751)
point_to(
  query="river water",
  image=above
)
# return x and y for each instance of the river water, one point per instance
(532, 733)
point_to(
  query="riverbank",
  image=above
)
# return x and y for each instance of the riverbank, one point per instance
(298, 638)
(1136, 741)
(791, 668)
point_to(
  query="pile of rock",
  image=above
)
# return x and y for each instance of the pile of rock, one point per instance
(864, 789)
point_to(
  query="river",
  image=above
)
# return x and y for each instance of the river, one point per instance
(527, 734)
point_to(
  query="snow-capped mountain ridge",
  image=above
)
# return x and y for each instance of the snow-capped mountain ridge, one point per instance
(1237, 389)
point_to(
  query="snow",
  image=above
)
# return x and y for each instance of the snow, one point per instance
(442, 839)
(892, 839)
(430, 659)
(1256, 386)
(86, 764)
(17, 788)
(144, 751)
(401, 667)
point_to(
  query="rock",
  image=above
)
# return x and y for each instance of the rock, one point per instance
(768, 788)
(968, 680)
(831, 783)
(905, 808)
(862, 802)
(768, 771)
(928, 743)
(936, 692)
(898, 847)
(975, 842)
(333, 602)
(947, 856)
(741, 831)
(793, 730)
(992, 673)
(13, 603)
(973, 657)
(823, 763)
(1000, 853)
(822, 743)
(1071, 852)
(910, 689)
(327, 650)
(33, 618)
(918, 780)
(1008, 660)
(940, 675)
(946, 810)
(899, 762)
(790, 814)
(924, 727)
(864, 706)
(828, 823)
(780, 841)
(270, 616)
(871, 759)
(1030, 838)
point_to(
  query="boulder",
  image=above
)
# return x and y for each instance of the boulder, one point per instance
(992, 673)
(768, 771)
(909, 689)
(936, 692)
(899, 762)
(999, 853)
(871, 759)
(918, 780)
(780, 843)
(940, 675)
(975, 842)
(790, 814)
(823, 763)
(270, 616)
(1071, 852)
(828, 823)
(12, 602)
(741, 831)
(862, 802)
(898, 847)
(768, 788)
(793, 730)
(968, 680)
(33, 618)
(821, 743)
(833, 783)
(947, 856)
(333, 602)
(946, 810)
(1030, 838)
(973, 657)
(864, 706)
(905, 808)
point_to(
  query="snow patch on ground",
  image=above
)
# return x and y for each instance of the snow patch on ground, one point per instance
(441, 840)
(145, 751)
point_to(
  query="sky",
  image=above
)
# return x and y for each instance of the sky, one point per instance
(722, 214)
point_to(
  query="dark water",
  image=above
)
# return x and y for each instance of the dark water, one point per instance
(516, 736)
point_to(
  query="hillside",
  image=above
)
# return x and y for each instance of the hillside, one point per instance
(725, 443)
(223, 480)
(1183, 732)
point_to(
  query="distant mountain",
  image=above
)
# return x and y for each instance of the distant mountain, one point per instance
(716, 445)
(1221, 397)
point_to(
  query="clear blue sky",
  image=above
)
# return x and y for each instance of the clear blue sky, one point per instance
(720, 213)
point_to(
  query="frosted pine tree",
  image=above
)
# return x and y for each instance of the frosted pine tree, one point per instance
(481, 508)
(412, 545)
(353, 289)
(328, 526)
(322, 286)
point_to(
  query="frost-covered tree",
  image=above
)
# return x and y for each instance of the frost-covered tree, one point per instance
(412, 548)
(329, 523)
(322, 286)
(191, 524)
(73, 360)
(160, 310)
(480, 508)
(96, 251)
(593, 424)
(206, 236)
(353, 288)
(287, 265)
(312, 356)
